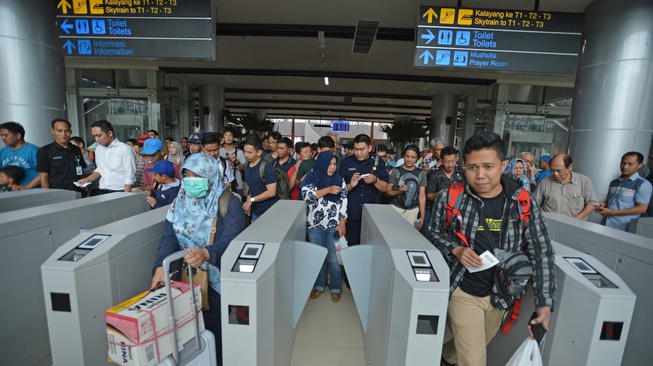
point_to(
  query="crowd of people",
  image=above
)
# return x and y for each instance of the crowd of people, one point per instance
(215, 186)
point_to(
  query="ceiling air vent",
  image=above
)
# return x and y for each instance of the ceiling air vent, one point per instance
(364, 36)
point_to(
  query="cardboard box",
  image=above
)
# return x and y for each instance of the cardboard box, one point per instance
(138, 330)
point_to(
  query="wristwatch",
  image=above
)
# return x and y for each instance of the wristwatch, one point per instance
(252, 200)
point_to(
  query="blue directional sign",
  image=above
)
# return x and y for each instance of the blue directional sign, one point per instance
(445, 37)
(84, 46)
(460, 58)
(498, 40)
(426, 55)
(443, 57)
(99, 26)
(81, 26)
(463, 38)
(139, 29)
(428, 36)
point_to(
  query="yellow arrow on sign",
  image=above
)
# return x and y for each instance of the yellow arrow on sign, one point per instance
(64, 5)
(430, 13)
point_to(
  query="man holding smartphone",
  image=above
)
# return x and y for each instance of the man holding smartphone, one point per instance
(366, 178)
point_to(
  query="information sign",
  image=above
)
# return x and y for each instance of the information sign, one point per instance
(498, 40)
(136, 29)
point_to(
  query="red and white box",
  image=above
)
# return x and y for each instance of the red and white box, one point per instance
(138, 331)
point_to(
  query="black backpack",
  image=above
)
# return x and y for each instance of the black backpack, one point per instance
(283, 183)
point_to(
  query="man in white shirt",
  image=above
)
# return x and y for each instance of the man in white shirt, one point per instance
(116, 161)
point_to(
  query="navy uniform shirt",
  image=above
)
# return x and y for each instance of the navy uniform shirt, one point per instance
(60, 164)
(363, 192)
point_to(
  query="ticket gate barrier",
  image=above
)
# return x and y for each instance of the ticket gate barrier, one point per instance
(630, 256)
(268, 272)
(642, 226)
(16, 200)
(400, 284)
(92, 272)
(27, 238)
(591, 319)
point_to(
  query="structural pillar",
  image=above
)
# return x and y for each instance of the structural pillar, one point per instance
(444, 112)
(212, 108)
(32, 75)
(612, 111)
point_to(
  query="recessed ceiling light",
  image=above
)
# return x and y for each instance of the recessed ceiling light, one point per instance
(326, 80)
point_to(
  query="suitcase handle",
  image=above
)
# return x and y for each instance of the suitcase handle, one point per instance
(167, 261)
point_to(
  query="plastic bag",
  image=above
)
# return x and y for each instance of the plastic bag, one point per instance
(528, 354)
(341, 244)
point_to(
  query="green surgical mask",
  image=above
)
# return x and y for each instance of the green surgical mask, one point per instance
(196, 186)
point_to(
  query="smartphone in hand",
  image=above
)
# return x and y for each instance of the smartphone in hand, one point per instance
(538, 330)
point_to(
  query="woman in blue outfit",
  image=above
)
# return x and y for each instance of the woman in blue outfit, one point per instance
(325, 192)
(188, 226)
(517, 168)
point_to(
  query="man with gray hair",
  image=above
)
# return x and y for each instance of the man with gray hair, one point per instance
(529, 161)
(433, 160)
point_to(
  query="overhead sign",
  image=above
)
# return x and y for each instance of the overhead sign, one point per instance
(498, 40)
(136, 29)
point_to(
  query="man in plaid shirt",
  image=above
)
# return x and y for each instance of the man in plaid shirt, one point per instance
(475, 308)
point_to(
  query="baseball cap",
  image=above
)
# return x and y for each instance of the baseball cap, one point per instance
(196, 138)
(150, 146)
(546, 158)
(141, 139)
(163, 167)
(392, 152)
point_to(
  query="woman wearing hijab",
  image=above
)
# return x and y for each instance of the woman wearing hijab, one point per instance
(175, 153)
(325, 193)
(188, 227)
(517, 168)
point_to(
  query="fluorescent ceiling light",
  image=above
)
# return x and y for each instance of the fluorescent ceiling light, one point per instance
(320, 38)
(326, 80)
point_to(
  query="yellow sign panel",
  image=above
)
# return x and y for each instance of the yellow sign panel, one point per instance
(79, 7)
(447, 15)
(97, 6)
(465, 16)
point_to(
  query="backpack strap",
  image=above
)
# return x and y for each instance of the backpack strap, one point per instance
(261, 170)
(524, 206)
(453, 206)
(223, 202)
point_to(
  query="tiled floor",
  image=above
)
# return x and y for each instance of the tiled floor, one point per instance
(329, 334)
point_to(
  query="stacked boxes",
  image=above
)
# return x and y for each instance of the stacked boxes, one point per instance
(138, 330)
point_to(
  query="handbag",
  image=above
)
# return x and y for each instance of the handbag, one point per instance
(528, 354)
(201, 276)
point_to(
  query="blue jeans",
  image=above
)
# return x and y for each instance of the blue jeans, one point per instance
(324, 237)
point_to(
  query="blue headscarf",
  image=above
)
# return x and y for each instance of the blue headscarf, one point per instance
(192, 218)
(319, 177)
(510, 168)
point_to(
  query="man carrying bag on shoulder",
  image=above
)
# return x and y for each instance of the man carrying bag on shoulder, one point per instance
(476, 234)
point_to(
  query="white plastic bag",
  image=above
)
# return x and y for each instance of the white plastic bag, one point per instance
(528, 354)
(341, 244)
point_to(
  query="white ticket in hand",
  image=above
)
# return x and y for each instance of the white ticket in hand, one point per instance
(489, 261)
(82, 185)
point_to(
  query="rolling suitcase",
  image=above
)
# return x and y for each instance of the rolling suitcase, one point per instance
(199, 351)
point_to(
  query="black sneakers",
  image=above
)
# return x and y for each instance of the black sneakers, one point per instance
(444, 362)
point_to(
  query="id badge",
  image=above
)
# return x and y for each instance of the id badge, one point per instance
(78, 170)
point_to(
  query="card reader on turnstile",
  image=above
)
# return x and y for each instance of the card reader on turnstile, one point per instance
(84, 248)
(248, 258)
(589, 272)
(421, 266)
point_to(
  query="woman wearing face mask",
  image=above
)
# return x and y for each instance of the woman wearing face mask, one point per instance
(325, 193)
(188, 226)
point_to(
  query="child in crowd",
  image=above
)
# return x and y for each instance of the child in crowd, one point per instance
(167, 185)
(9, 177)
